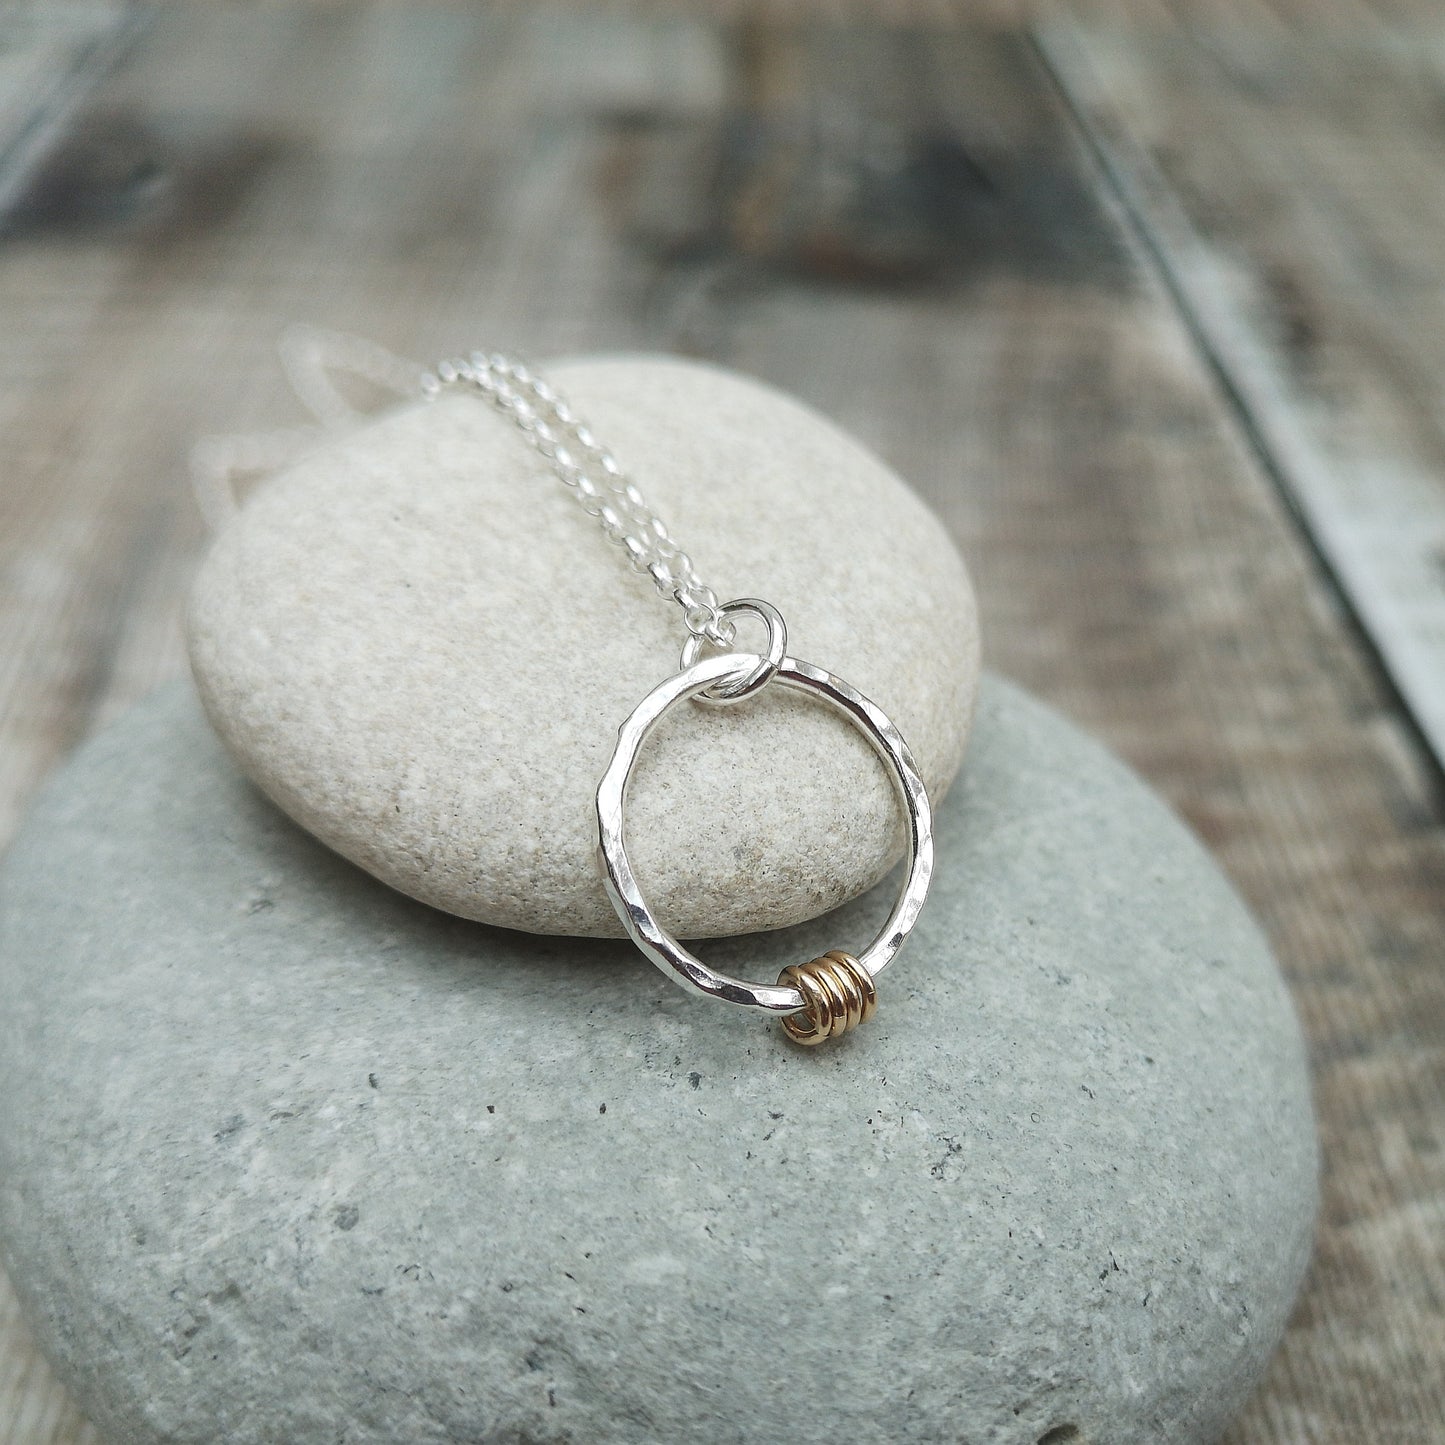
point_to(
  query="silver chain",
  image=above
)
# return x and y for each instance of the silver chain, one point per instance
(593, 476)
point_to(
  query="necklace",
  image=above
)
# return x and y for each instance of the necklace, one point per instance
(826, 996)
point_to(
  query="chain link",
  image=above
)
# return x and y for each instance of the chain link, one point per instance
(592, 474)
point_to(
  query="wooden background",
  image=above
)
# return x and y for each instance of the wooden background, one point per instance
(1148, 300)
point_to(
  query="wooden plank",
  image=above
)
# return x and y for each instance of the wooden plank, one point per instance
(50, 58)
(1290, 193)
(1290, 206)
(902, 228)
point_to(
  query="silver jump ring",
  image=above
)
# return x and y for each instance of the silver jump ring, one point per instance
(622, 887)
(765, 665)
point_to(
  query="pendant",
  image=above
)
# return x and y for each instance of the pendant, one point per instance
(827, 996)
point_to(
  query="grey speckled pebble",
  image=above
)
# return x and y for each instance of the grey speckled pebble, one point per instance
(287, 1157)
(421, 647)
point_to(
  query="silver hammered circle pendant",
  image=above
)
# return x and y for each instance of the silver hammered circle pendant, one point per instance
(826, 996)
(823, 997)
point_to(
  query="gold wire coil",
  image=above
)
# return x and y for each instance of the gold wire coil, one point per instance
(839, 994)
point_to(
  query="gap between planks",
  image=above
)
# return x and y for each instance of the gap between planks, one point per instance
(51, 77)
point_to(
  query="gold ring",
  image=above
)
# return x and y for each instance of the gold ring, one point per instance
(838, 995)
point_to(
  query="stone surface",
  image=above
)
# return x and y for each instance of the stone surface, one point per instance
(420, 646)
(285, 1156)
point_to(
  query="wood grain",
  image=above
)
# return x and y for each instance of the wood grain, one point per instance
(904, 227)
(1288, 194)
(50, 59)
